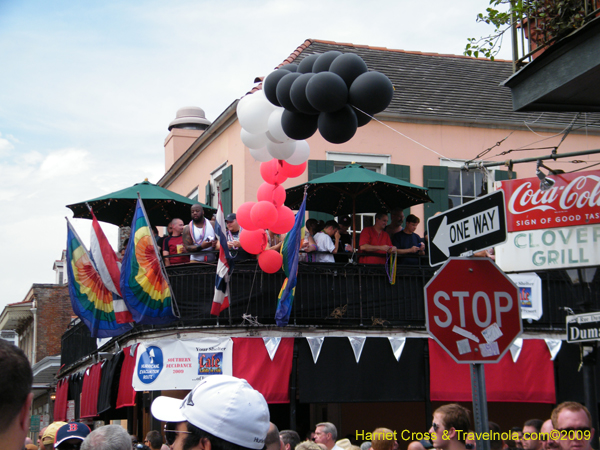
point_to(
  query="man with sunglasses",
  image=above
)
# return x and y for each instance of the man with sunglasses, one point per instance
(572, 426)
(450, 426)
(220, 413)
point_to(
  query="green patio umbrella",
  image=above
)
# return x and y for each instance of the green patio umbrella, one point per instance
(354, 190)
(118, 208)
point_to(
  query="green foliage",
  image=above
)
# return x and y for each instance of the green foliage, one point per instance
(542, 20)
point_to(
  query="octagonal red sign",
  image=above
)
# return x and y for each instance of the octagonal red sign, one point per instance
(473, 310)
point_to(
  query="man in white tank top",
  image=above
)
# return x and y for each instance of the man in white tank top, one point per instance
(199, 236)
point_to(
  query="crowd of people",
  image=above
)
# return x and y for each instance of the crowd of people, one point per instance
(323, 242)
(225, 413)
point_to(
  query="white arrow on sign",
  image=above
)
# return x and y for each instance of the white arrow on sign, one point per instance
(466, 229)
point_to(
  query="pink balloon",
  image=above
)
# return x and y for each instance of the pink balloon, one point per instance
(292, 171)
(285, 220)
(264, 214)
(253, 241)
(243, 216)
(271, 172)
(274, 193)
(270, 261)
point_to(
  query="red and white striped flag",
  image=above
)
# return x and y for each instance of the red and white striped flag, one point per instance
(108, 268)
(224, 266)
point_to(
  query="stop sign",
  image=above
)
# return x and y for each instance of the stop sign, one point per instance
(473, 310)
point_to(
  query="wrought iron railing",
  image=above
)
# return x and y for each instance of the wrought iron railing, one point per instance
(543, 22)
(333, 296)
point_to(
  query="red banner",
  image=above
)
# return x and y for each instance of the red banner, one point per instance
(574, 199)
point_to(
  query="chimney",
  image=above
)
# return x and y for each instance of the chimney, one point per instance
(190, 122)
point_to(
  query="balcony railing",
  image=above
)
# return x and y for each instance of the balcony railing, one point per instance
(542, 22)
(333, 296)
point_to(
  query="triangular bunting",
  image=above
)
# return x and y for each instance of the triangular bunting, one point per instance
(357, 344)
(272, 344)
(515, 349)
(554, 347)
(315, 344)
(397, 346)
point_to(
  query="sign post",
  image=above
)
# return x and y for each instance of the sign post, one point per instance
(470, 227)
(473, 312)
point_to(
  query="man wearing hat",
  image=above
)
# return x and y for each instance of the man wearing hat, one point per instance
(221, 412)
(233, 239)
(345, 244)
(71, 435)
(50, 434)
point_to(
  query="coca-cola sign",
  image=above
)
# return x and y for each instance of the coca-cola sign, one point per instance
(574, 199)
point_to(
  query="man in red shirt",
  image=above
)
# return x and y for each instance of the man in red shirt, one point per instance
(375, 240)
(173, 245)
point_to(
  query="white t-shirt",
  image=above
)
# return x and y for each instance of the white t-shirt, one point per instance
(203, 235)
(324, 244)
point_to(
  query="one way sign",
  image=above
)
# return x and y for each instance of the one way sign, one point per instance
(472, 226)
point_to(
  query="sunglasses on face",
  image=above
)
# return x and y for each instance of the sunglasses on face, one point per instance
(171, 433)
(435, 426)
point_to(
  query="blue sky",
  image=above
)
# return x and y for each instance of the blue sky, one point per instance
(87, 90)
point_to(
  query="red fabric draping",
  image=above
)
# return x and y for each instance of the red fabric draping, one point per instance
(89, 391)
(251, 362)
(126, 395)
(530, 379)
(60, 402)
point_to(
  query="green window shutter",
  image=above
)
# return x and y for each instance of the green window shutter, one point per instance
(402, 173)
(435, 178)
(226, 190)
(501, 175)
(208, 196)
(318, 168)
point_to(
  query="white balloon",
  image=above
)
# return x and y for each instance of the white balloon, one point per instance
(254, 113)
(300, 155)
(275, 128)
(261, 154)
(272, 139)
(253, 140)
(281, 151)
(243, 103)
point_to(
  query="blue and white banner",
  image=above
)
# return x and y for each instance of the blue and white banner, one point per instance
(175, 364)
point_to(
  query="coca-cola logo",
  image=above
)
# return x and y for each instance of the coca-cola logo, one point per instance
(574, 199)
(578, 193)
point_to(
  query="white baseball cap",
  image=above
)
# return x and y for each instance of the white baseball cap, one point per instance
(224, 406)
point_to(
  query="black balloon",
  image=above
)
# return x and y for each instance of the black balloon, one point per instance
(324, 61)
(290, 67)
(270, 85)
(362, 119)
(371, 92)
(327, 92)
(348, 66)
(306, 64)
(298, 94)
(283, 90)
(298, 126)
(339, 126)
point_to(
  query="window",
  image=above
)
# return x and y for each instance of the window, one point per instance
(465, 186)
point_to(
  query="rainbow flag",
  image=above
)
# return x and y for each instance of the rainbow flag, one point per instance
(290, 250)
(144, 283)
(92, 302)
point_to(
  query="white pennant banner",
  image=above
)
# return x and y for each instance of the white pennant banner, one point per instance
(357, 344)
(272, 344)
(315, 344)
(397, 346)
(515, 349)
(554, 347)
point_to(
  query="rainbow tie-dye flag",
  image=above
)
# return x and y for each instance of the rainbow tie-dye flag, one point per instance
(144, 283)
(290, 250)
(92, 302)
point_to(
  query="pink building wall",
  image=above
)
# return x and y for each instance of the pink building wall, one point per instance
(444, 141)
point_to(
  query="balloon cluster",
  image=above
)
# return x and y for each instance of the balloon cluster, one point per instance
(268, 212)
(329, 92)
